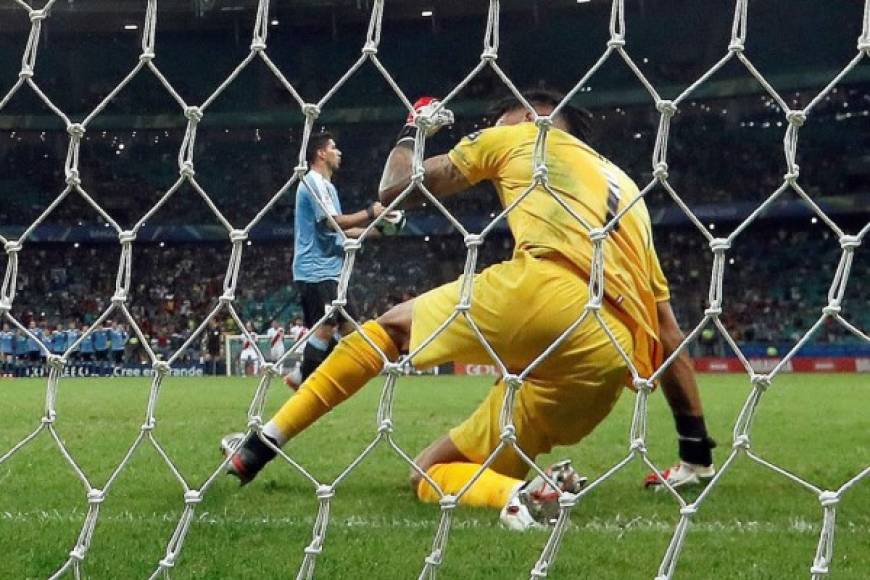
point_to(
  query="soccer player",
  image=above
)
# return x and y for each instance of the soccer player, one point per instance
(318, 251)
(34, 350)
(118, 341)
(275, 334)
(72, 334)
(297, 329)
(58, 340)
(7, 344)
(87, 346)
(521, 306)
(101, 343)
(248, 357)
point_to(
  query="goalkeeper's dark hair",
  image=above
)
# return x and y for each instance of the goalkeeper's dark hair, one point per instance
(317, 142)
(577, 119)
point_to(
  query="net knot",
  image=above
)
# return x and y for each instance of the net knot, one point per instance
(817, 570)
(37, 15)
(540, 173)
(832, 309)
(513, 381)
(270, 370)
(660, 171)
(688, 510)
(310, 110)
(509, 435)
(666, 107)
(300, 170)
(448, 502)
(255, 422)
(126, 236)
(792, 175)
(77, 554)
(741, 442)
(12, 247)
(489, 55)
(597, 234)
(760, 382)
(736, 45)
(238, 236)
(161, 368)
(369, 48)
(418, 174)
(49, 418)
(850, 242)
(167, 562)
(616, 41)
(325, 492)
(5, 305)
(394, 368)
(796, 117)
(96, 496)
(567, 500)
(829, 498)
(351, 244)
(147, 56)
(55, 361)
(227, 297)
(76, 130)
(473, 240)
(385, 427)
(26, 72)
(193, 114)
(339, 302)
(192, 497)
(544, 122)
(147, 426)
(72, 177)
(644, 385)
(719, 245)
(258, 45)
(186, 169)
(864, 44)
(638, 446)
(119, 297)
(713, 311)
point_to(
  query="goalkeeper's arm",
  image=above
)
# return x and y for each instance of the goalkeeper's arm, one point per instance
(441, 177)
(681, 392)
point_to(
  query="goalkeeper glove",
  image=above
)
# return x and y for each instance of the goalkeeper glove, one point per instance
(424, 107)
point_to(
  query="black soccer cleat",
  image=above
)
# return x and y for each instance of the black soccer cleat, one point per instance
(247, 456)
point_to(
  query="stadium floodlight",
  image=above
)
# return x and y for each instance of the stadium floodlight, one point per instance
(426, 13)
(131, 27)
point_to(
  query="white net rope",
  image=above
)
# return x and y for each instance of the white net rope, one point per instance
(325, 491)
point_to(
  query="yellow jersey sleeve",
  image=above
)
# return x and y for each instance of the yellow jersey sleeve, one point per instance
(481, 154)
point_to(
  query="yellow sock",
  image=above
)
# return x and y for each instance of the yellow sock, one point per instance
(490, 490)
(350, 366)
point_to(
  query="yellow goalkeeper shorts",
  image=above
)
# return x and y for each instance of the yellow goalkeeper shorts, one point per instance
(521, 307)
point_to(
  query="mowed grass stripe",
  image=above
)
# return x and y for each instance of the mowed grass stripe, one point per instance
(756, 524)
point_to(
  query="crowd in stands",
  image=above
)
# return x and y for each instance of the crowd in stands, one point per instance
(776, 284)
(721, 151)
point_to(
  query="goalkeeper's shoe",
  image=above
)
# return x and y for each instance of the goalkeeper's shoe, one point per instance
(247, 456)
(680, 475)
(535, 504)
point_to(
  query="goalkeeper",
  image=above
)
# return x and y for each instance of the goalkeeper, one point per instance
(522, 306)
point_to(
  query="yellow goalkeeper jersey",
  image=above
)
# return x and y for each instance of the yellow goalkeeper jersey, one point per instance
(595, 189)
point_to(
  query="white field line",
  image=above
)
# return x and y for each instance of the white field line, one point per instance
(619, 524)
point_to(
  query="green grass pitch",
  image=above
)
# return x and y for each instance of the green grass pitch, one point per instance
(756, 523)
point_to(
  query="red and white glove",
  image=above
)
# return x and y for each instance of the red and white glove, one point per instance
(426, 118)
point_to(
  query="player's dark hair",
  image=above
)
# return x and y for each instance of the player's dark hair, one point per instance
(317, 142)
(577, 119)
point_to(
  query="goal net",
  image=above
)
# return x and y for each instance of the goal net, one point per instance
(95, 493)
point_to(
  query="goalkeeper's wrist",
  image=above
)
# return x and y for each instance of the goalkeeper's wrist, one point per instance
(407, 136)
(695, 445)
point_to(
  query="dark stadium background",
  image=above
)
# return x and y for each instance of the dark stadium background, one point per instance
(726, 153)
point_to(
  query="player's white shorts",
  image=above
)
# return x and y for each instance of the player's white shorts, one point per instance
(249, 355)
(277, 352)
